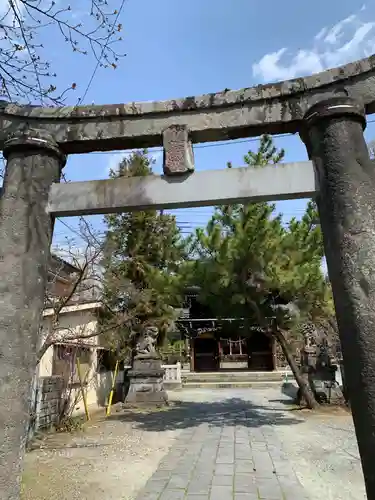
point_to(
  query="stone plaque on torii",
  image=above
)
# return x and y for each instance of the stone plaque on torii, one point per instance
(328, 110)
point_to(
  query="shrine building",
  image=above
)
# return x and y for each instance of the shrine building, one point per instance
(223, 344)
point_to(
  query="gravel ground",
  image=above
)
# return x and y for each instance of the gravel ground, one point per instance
(114, 458)
(326, 459)
(110, 459)
(323, 450)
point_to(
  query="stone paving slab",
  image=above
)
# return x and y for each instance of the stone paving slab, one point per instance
(225, 462)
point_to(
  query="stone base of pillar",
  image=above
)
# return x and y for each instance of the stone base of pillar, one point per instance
(146, 382)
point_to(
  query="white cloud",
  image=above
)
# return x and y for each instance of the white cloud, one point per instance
(334, 35)
(321, 33)
(348, 40)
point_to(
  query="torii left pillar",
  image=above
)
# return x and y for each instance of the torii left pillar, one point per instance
(34, 162)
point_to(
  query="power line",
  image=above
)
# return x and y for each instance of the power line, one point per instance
(198, 146)
(184, 226)
(75, 231)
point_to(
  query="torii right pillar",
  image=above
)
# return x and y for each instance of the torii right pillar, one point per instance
(333, 134)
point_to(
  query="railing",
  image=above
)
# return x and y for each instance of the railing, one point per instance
(172, 373)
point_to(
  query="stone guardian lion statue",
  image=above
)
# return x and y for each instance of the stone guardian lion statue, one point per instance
(147, 342)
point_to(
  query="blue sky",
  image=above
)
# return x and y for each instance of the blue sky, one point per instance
(177, 48)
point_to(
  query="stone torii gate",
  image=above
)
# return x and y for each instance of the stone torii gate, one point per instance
(328, 110)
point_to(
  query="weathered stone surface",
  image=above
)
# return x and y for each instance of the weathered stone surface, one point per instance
(33, 164)
(48, 402)
(207, 188)
(146, 343)
(335, 141)
(324, 378)
(317, 367)
(146, 381)
(178, 151)
(327, 392)
(273, 108)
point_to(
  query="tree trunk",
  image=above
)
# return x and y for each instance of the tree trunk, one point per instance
(303, 386)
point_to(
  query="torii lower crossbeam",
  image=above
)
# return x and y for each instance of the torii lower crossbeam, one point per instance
(207, 188)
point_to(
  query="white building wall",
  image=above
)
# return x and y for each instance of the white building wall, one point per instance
(76, 320)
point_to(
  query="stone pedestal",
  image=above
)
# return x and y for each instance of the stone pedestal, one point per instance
(146, 381)
(308, 357)
(326, 389)
(320, 372)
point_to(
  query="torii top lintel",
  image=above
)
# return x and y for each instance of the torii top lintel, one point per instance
(273, 108)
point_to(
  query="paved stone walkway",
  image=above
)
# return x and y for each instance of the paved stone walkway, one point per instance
(235, 456)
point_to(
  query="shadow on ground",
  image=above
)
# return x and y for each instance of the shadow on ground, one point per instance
(290, 391)
(186, 414)
(287, 403)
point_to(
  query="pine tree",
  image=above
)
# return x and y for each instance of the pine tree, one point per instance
(142, 252)
(249, 265)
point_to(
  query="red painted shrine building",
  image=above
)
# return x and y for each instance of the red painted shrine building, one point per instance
(225, 344)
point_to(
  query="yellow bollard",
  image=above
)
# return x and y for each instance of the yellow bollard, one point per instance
(82, 389)
(114, 376)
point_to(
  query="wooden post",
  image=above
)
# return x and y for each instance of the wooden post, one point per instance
(192, 355)
(274, 353)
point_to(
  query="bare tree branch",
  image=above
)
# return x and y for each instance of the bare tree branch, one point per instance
(71, 287)
(26, 73)
(60, 299)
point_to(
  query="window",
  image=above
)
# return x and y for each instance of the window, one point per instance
(65, 362)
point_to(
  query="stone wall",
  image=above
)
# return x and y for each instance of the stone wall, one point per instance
(48, 401)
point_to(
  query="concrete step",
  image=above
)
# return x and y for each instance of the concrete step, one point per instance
(230, 385)
(233, 377)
